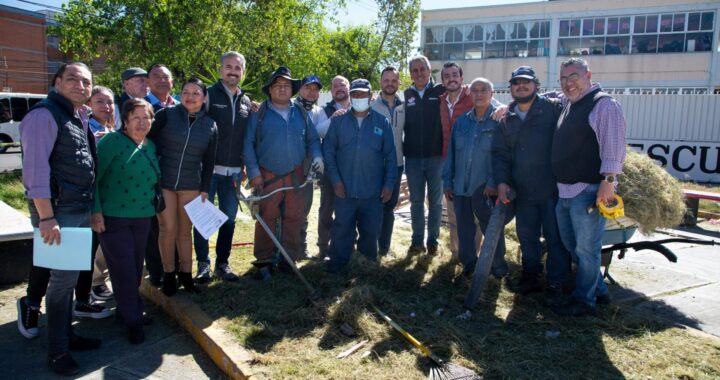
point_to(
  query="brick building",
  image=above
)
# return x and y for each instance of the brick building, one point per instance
(23, 51)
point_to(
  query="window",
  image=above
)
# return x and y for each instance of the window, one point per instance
(5, 115)
(19, 108)
(603, 35)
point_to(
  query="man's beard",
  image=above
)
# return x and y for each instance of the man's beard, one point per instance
(524, 99)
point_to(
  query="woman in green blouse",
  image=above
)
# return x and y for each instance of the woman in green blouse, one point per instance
(127, 171)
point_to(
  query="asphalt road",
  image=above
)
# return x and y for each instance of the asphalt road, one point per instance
(10, 160)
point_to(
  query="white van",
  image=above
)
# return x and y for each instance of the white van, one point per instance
(13, 107)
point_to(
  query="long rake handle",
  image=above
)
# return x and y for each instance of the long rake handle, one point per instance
(426, 351)
(284, 253)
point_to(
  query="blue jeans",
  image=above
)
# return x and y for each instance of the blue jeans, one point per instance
(222, 185)
(421, 172)
(352, 214)
(388, 216)
(466, 210)
(533, 218)
(59, 296)
(581, 229)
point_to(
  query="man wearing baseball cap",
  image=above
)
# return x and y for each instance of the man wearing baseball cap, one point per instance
(134, 83)
(278, 139)
(359, 149)
(521, 161)
(307, 98)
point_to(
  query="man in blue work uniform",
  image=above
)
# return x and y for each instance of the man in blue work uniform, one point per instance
(359, 150)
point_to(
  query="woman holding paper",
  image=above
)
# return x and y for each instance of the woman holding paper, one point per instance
(127, 171)
(186, 138)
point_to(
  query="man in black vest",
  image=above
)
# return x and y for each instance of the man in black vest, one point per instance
(59, 178)
(228, 105)
(422, 147)
(588, 152)
(521, 161)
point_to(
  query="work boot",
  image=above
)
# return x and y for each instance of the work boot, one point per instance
(528, 283)
(63, 364)
(169, 284)
(416, 249)
(203, 272)
(187, 283)
(432, 249)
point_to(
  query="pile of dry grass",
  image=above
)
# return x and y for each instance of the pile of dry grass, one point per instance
(652, 197)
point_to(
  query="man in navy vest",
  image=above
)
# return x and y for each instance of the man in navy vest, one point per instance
(59, 178)
(588, 152)
(228, 105)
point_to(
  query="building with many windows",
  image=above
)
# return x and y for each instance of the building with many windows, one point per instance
(633, 47)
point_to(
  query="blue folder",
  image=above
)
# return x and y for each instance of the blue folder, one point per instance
(73, 252)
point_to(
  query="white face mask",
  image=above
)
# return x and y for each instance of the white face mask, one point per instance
(360, 105)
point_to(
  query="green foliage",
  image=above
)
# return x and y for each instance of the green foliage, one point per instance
(189, 36)
(12, 190)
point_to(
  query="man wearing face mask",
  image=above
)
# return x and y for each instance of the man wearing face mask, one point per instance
(307, 98)
(359, 150)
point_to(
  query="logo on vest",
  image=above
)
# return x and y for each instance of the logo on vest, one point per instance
(411, 101)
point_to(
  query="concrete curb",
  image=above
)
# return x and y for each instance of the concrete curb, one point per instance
(229, 356)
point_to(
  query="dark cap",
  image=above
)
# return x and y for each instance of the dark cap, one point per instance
(525, 72)
(281, 72)
(311, 79)
(133, 72)
(360, 85)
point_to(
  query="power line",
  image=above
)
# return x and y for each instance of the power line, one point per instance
(41, 5)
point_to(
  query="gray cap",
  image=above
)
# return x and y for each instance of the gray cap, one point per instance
(133, 72)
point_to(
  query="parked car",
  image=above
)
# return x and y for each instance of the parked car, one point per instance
(13, 107)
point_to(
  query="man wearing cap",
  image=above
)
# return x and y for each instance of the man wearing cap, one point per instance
(307, 98)
(230, 107)
(521, 161)
(160, 81)
(278, 139)
(339, 104)
(389, 105)
(134, 83)
(360, 152)
(588, 152)
(422, 147)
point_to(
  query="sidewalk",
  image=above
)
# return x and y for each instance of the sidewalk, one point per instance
(168, 352)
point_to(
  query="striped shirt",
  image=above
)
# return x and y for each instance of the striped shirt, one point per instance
(608, 123)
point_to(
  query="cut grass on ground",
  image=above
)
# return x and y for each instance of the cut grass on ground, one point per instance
(506, 338)
(12, 190)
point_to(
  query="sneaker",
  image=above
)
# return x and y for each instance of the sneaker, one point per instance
(225, 272)
(554, 296)
(203, 272)
(101, 293)
(528, 283)
(575, 309)
(27, 319)
(64, 364)
(432, 249)
(80, 343)
(90, 310)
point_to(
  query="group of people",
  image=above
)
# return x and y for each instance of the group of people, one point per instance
(127, 166)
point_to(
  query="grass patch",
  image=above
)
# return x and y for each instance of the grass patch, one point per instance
(506, 338)
(12, 190)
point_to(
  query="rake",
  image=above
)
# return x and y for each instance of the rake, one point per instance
(439, 370)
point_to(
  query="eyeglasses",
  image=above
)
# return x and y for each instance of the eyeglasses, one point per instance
(574, 77)
(519, 81)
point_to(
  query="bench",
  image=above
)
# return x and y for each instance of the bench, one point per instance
(692, 202)
(16, 235)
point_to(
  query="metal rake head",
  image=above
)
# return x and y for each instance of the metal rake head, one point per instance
(449, 371)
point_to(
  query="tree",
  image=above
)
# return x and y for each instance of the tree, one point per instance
(190, 35)
(396, 25)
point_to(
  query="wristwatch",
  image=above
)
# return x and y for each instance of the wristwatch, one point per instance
(612, 178)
